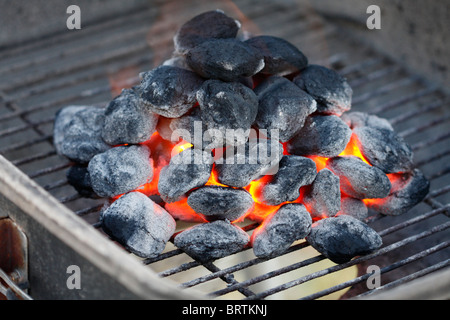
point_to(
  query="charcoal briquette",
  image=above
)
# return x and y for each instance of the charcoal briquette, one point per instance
(127, 121)
(78, 177)
(254, 159)
(280, 56)
(220, 203)
(225, 59)
(293, 173)
(354, 208)
(213, 240)
(77, 133)
(342, 238)
(356, 119)
(227, 105)
(120, 170)
(358, 179)
(183, 127)
(331, 91)
(282, 106)
(187, 170)
(279, 230)
(384, 149)
(408, 189)
(208, 25)
(139, 224)
(192, 123)
(325, 136)
(323, 197)
(169, 91)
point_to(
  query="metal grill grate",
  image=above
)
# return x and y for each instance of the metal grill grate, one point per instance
(91, 66)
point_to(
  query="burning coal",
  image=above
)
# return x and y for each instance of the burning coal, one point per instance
(227, 130)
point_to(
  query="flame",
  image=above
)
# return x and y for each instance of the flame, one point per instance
(262, 210)
(352, 149)
(213, 179)
(255, 186)
(181, 146)
(182, 211)
(321, 162)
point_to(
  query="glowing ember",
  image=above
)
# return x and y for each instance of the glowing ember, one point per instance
(159, 148)
(352, 149)
(321, 162)
(182, 211)
(181, 146)
(261, 210)
(213, 180)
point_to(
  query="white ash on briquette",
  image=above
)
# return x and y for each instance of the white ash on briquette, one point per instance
(408, 189)
(127, 121)
(77, 133)
(213, 240)
(324, 136)
(120, 170)
(302, 165)
(187, 170)
(220, 203)
(357, 119)
(282, 106)
(331, 91)
(280, 57)
(293, 173)
(227, 105)
(353, 207)
(187, 122)
(323, 196)
(169, 91)
(342, 238)
(384, 149)
(290, 223)
(139, 224)
(358, 179)
(248, 163)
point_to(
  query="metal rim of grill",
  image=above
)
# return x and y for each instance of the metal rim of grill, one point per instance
(77, 68)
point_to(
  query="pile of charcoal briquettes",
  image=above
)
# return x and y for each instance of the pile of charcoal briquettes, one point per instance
(328, 166)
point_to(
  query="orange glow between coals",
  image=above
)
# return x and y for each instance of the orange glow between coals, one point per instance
(352, 149)
(182, 211)
(396, 180)
(321, 162)
(162, 151)
(213, 180)
(181, 146)
(260, 210)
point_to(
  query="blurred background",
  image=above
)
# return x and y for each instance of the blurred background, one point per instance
(413, 32)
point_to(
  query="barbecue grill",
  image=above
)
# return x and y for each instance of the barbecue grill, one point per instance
(59, 228)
